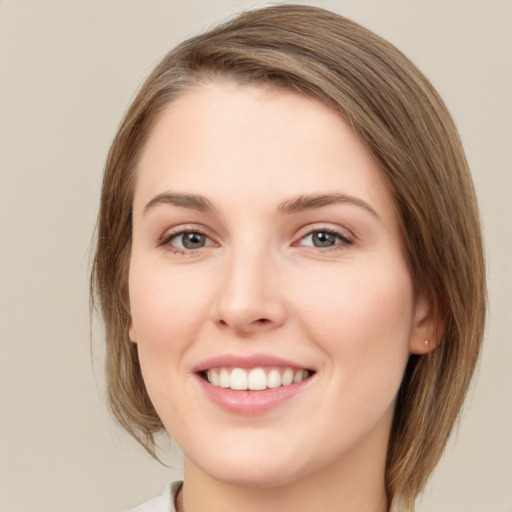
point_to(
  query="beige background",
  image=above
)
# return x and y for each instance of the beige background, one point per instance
(68, 69)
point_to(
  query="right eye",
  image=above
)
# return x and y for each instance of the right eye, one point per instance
(188, 240)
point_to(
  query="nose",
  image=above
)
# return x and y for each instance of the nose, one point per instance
(249, 299)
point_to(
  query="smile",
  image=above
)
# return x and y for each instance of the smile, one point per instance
(252, 384)
(256, 379)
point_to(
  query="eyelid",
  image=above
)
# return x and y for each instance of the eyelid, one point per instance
(345, 236)
(330, 228)
(181, 229)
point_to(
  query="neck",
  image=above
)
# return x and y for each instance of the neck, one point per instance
(339, 487)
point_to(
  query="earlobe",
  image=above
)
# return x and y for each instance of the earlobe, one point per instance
(428, 345)
(131, 333)
(426, 331)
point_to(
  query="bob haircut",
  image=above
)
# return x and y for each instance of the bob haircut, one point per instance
(407, 129)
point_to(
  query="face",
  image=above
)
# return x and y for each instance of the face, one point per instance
(271, 303)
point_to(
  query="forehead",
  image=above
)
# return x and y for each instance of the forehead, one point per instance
(253, 141)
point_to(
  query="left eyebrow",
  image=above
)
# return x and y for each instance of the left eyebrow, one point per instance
(190, 201)
(310, 202)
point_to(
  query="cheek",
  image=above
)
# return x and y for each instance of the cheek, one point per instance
(165, 307)
(362, 320)
(167, 312)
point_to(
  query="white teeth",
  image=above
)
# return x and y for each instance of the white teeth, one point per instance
(224, 380)
(213, 377)
(238, 379)
(299, 375)
(287, 377)
(256, 379)
(273, 379)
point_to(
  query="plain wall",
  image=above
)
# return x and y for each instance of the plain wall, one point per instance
(68, 70)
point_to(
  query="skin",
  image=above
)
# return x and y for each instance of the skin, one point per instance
(260, 285)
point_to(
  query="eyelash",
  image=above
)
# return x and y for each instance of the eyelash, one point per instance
(165, 241)
(344, 240)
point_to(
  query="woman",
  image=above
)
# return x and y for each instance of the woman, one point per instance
(290, 267)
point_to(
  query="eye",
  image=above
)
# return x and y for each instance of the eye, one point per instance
(187, 240)
(324, 239)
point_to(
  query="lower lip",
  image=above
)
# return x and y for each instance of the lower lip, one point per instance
(251, 402)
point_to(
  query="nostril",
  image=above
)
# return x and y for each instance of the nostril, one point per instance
(262, 320)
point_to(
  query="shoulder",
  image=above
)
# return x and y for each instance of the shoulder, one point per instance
(163, 503)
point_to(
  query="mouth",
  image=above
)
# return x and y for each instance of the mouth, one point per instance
(254, 379)
(252, 384)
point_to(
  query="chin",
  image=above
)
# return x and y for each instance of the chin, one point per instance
(262, 470)
(256, 478)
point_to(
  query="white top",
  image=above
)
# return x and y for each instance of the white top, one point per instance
(164, 503)
(167, 501)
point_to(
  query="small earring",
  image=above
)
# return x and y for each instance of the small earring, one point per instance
(426, 346)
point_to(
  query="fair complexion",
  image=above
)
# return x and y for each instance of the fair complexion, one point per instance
(264, 239)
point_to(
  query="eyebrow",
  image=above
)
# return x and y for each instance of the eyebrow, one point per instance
(313, 201)
(190, 201)
(293, 205)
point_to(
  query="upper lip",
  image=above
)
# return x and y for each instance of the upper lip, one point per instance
(251, 361)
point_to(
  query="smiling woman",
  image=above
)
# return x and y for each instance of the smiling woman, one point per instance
(289, 266)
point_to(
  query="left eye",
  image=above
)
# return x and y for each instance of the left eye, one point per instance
(189, 240)
(323, 239)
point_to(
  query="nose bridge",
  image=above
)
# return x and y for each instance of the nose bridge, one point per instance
(248, 297)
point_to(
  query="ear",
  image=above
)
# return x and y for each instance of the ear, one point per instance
(131, 333)
(426, 331)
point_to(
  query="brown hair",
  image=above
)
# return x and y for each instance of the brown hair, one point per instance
(403, 122)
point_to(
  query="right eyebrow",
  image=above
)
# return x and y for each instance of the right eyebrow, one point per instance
(190, 201)
(310, 202)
